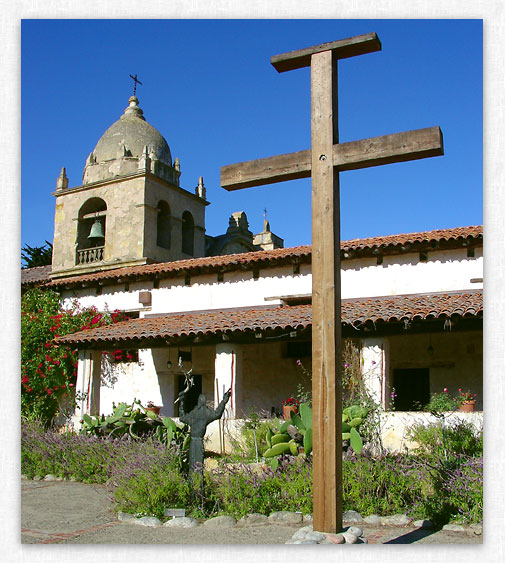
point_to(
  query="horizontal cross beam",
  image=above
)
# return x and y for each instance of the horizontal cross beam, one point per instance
(342, 49)
(375, 151)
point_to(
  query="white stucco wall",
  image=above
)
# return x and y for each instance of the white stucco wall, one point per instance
(152, 380)
(268, 377)
(448, 270)
(402, 274)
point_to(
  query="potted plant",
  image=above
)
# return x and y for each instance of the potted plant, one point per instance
(288, 406)
(466, 401)
(151, 407)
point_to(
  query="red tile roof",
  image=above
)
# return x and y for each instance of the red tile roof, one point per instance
(460, 236)
(429, 238)
(355, 312)
(35, 276)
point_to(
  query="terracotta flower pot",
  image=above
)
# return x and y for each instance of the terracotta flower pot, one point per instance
(155, 410)
(288, 409)
(467, 406)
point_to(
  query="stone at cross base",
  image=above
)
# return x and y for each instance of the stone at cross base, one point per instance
(198, 419)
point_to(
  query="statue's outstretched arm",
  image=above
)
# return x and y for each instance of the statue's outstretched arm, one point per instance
(220, 408)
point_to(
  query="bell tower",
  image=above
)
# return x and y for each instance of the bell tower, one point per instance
(130, 208)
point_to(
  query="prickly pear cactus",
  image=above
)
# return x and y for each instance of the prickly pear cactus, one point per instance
(135, 422)
(294, 436)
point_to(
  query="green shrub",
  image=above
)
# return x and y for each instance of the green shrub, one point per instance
(441, 402)
(87, 459)
(444, 438)
(151, 486)
(242, 489)
(383, 485)
(458, 490)
(450, 454)
(145, 477)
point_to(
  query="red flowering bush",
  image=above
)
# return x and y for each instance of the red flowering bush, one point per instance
(48, 372)
(291, 401)
(119, 356)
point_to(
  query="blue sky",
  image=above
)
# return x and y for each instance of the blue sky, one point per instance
(209, 88)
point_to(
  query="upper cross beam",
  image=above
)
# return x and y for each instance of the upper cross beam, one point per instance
(341, 49)
(375, 151)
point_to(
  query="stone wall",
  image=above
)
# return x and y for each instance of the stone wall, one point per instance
(131, 223)
(124, 222)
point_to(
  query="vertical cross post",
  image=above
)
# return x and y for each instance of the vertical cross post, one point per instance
(326, 325)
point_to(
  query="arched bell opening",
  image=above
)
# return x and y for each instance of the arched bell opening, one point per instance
(163, 225)
(91, 231)
(188, 233)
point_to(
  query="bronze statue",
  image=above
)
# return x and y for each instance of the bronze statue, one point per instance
(198, 419)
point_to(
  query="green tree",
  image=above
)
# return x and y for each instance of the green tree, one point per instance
(49, 372)
(37, 255)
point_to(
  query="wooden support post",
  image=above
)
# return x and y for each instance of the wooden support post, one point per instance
(326, 325)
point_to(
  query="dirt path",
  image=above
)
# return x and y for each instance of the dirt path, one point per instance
(68, 512)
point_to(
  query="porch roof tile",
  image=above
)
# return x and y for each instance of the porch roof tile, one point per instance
(355, 312)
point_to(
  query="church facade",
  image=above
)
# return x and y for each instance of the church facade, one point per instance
(236, 308)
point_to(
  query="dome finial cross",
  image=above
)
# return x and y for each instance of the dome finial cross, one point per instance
(135, 80)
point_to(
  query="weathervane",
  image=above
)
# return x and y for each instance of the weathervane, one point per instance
(265, 212)
(135, 80)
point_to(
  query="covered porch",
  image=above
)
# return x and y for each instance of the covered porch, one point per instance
(412, 345)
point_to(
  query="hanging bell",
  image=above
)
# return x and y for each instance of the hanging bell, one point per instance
(96, 230)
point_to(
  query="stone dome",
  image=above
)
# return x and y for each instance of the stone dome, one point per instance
(127, 138)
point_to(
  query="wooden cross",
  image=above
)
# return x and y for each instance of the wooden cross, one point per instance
(323, 163)
(135, 82)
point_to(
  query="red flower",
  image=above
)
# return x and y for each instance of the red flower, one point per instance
(25, 379)
(291, 401)
(49, 392)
